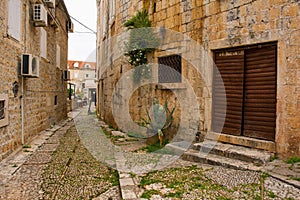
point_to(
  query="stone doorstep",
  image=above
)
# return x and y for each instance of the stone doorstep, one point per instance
(235, 152)
(212, 159)
(242, 141)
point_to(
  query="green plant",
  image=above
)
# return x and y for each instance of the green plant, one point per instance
(141, 40)
(70, 92)
(157, 121)
(26, 146)
(271, 194)
(272, 158)
(296, 179)
(293, 160)
(154, 147)
(148, 193)
(265, 175)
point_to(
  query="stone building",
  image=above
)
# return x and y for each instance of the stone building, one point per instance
(250, 97)
(34, 46)
(82, 75)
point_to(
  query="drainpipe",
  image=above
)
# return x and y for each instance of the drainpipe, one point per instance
(22, 109)
(22, 78)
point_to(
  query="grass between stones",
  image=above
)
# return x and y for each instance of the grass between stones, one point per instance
(192, 183)
(74, 173)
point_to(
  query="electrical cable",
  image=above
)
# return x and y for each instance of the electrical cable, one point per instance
(85, 26)
(82, 24)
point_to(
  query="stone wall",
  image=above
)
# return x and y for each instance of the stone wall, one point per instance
(213, 24)
(38, 93)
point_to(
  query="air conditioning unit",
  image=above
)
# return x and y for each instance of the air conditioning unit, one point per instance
(40, 15)
(50, 3)
(30, 65)
(70, 26)
(66, 75)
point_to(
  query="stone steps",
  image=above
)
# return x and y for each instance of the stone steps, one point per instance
(212, 159)
(227, 155)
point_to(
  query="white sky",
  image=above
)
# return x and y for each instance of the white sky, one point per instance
(82, 46)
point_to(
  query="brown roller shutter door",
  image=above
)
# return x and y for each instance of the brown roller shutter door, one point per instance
(231, 68)
(260, 93)
(249, 76)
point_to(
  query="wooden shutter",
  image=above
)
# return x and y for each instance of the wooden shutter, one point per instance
(260, 93)
(43, 43)
(231, 68)
(57, 56)
(14, 19)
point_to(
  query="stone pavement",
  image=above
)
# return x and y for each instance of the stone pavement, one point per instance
(20, 176)
(55, 165)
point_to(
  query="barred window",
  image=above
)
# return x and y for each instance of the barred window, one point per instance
(169, 69)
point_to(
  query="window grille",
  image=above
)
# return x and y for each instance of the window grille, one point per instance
(169, 69)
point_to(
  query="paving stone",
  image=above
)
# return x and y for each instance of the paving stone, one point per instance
(126, 182)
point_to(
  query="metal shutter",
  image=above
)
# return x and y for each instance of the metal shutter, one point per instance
(231, 67)
(260, 93)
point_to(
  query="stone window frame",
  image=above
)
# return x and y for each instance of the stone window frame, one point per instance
(4, 121)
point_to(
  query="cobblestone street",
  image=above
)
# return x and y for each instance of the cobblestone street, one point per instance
(57, 165)
(60, 168)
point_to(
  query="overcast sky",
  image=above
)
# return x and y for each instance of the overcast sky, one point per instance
(82, 43)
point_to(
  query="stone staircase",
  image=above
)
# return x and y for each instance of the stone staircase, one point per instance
(227, 155)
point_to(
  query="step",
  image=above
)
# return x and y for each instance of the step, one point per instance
(212, 159)
(255, 156)
(178, 148)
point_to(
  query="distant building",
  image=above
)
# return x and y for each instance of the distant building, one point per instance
(83, 75)
(33, 57)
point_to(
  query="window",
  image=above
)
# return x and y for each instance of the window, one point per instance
(154, 7)
(249, 78)
(43, 43)
(103, 17)
(55, 100)
(86, 76)
(57, 56)
(87, 66)
(3, 110)
(76, 65)
(169, 69)
(2, 107)
(14, 19)
(83, 85)
(111, 9)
